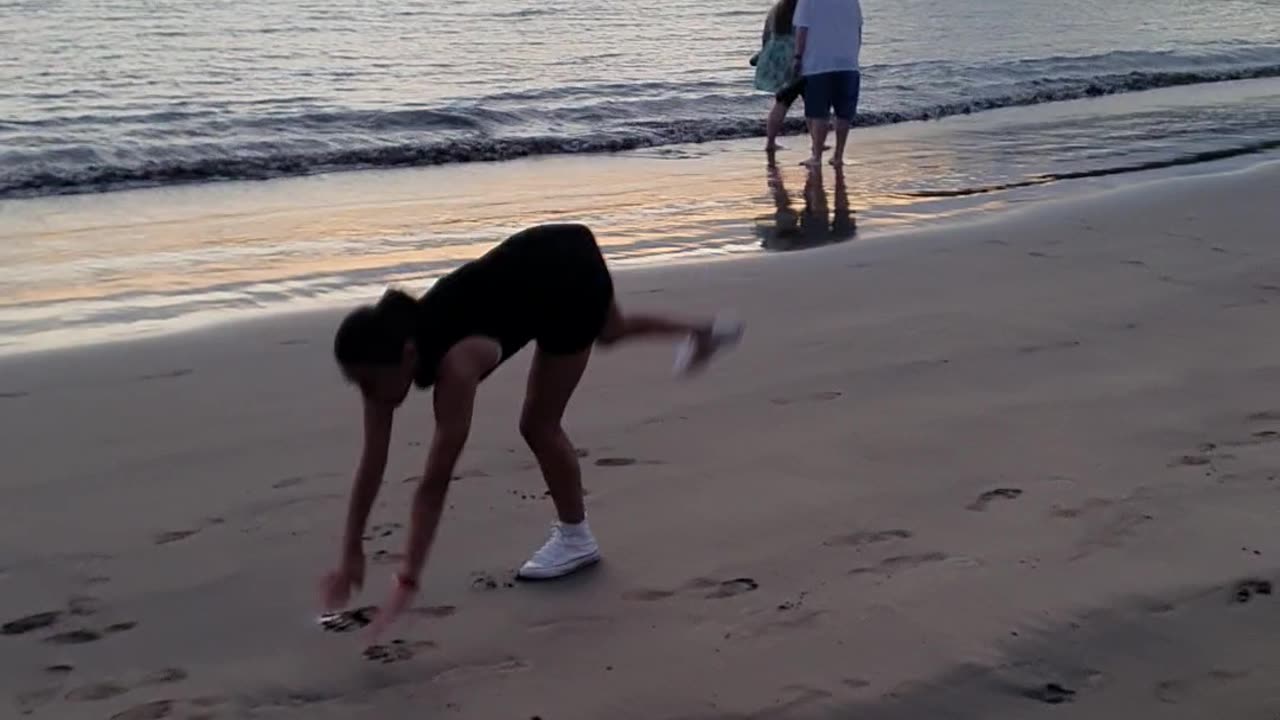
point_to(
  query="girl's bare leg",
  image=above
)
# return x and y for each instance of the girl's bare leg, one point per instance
(552, 381)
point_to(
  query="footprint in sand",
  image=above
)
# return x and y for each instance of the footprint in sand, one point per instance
(74, 637)
(289, 482)
(164, 676)
(435, 611)
(486, 581)
(463, 673)
(1060, 345)
(1174, 691)
(96, 692)
(344, 621)
(794, 604)
(892, 565)
(824, 396)
(709, 588)
(386, 557)
(733, 588)
(84, 605)
(1088, 506)
(166, 375)
(1050, 693)
(1197, 460)
(155, 710)
(384, 530)
(868, 537)
(1246, 589)
(615, 462)
(990, 496)
(172, 536)
(646, 595)
(29, 623)
(396, 651)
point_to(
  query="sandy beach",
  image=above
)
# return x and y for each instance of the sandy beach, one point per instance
(1017, 469)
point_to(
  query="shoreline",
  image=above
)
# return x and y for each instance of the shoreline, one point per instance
(1047, 208)
(139, 262)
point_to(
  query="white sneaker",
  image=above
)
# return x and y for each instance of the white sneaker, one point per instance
(697, 350)
(570, 548)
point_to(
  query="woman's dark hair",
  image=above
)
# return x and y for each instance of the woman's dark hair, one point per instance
(375, 334)
(783, 17)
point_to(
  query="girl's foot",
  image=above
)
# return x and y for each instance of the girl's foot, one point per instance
(570, 548)
(697, 350)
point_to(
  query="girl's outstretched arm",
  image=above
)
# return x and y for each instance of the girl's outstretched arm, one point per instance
(349, 576)
(460, 373)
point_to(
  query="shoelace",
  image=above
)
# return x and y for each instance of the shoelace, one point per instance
(558, 539)
(557, 536)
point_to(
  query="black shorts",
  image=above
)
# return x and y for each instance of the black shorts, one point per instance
(576, 290)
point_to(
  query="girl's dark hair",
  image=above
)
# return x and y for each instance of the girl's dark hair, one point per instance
(784, 17)
(376, 334)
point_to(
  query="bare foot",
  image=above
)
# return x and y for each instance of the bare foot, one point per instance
(812, 162)
(837, 162)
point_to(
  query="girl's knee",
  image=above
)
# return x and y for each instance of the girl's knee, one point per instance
(539, 433)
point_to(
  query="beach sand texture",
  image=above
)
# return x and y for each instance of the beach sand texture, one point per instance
(1019, 469)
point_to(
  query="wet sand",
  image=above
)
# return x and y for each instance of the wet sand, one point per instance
(1008, 470)
(119, 265)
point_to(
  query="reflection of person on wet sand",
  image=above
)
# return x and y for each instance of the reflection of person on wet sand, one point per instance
(843, 224)
(813, 226)
(786, 220)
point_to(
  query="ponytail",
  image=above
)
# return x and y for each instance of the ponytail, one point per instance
(376, 334)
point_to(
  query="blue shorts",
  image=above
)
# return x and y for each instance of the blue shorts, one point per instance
(832, 91)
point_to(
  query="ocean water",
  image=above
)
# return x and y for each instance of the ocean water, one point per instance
(125, 124)
(104, 94)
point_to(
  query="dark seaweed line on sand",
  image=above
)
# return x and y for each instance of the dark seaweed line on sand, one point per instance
(1188, 159)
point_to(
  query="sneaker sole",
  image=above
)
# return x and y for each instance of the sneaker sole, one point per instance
(559, 572)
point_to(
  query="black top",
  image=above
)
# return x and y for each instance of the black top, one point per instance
(540, 283)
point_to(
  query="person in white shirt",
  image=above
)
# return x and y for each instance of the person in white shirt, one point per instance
(828, 42)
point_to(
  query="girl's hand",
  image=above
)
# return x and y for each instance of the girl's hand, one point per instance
(339, 584)
(403, 591)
